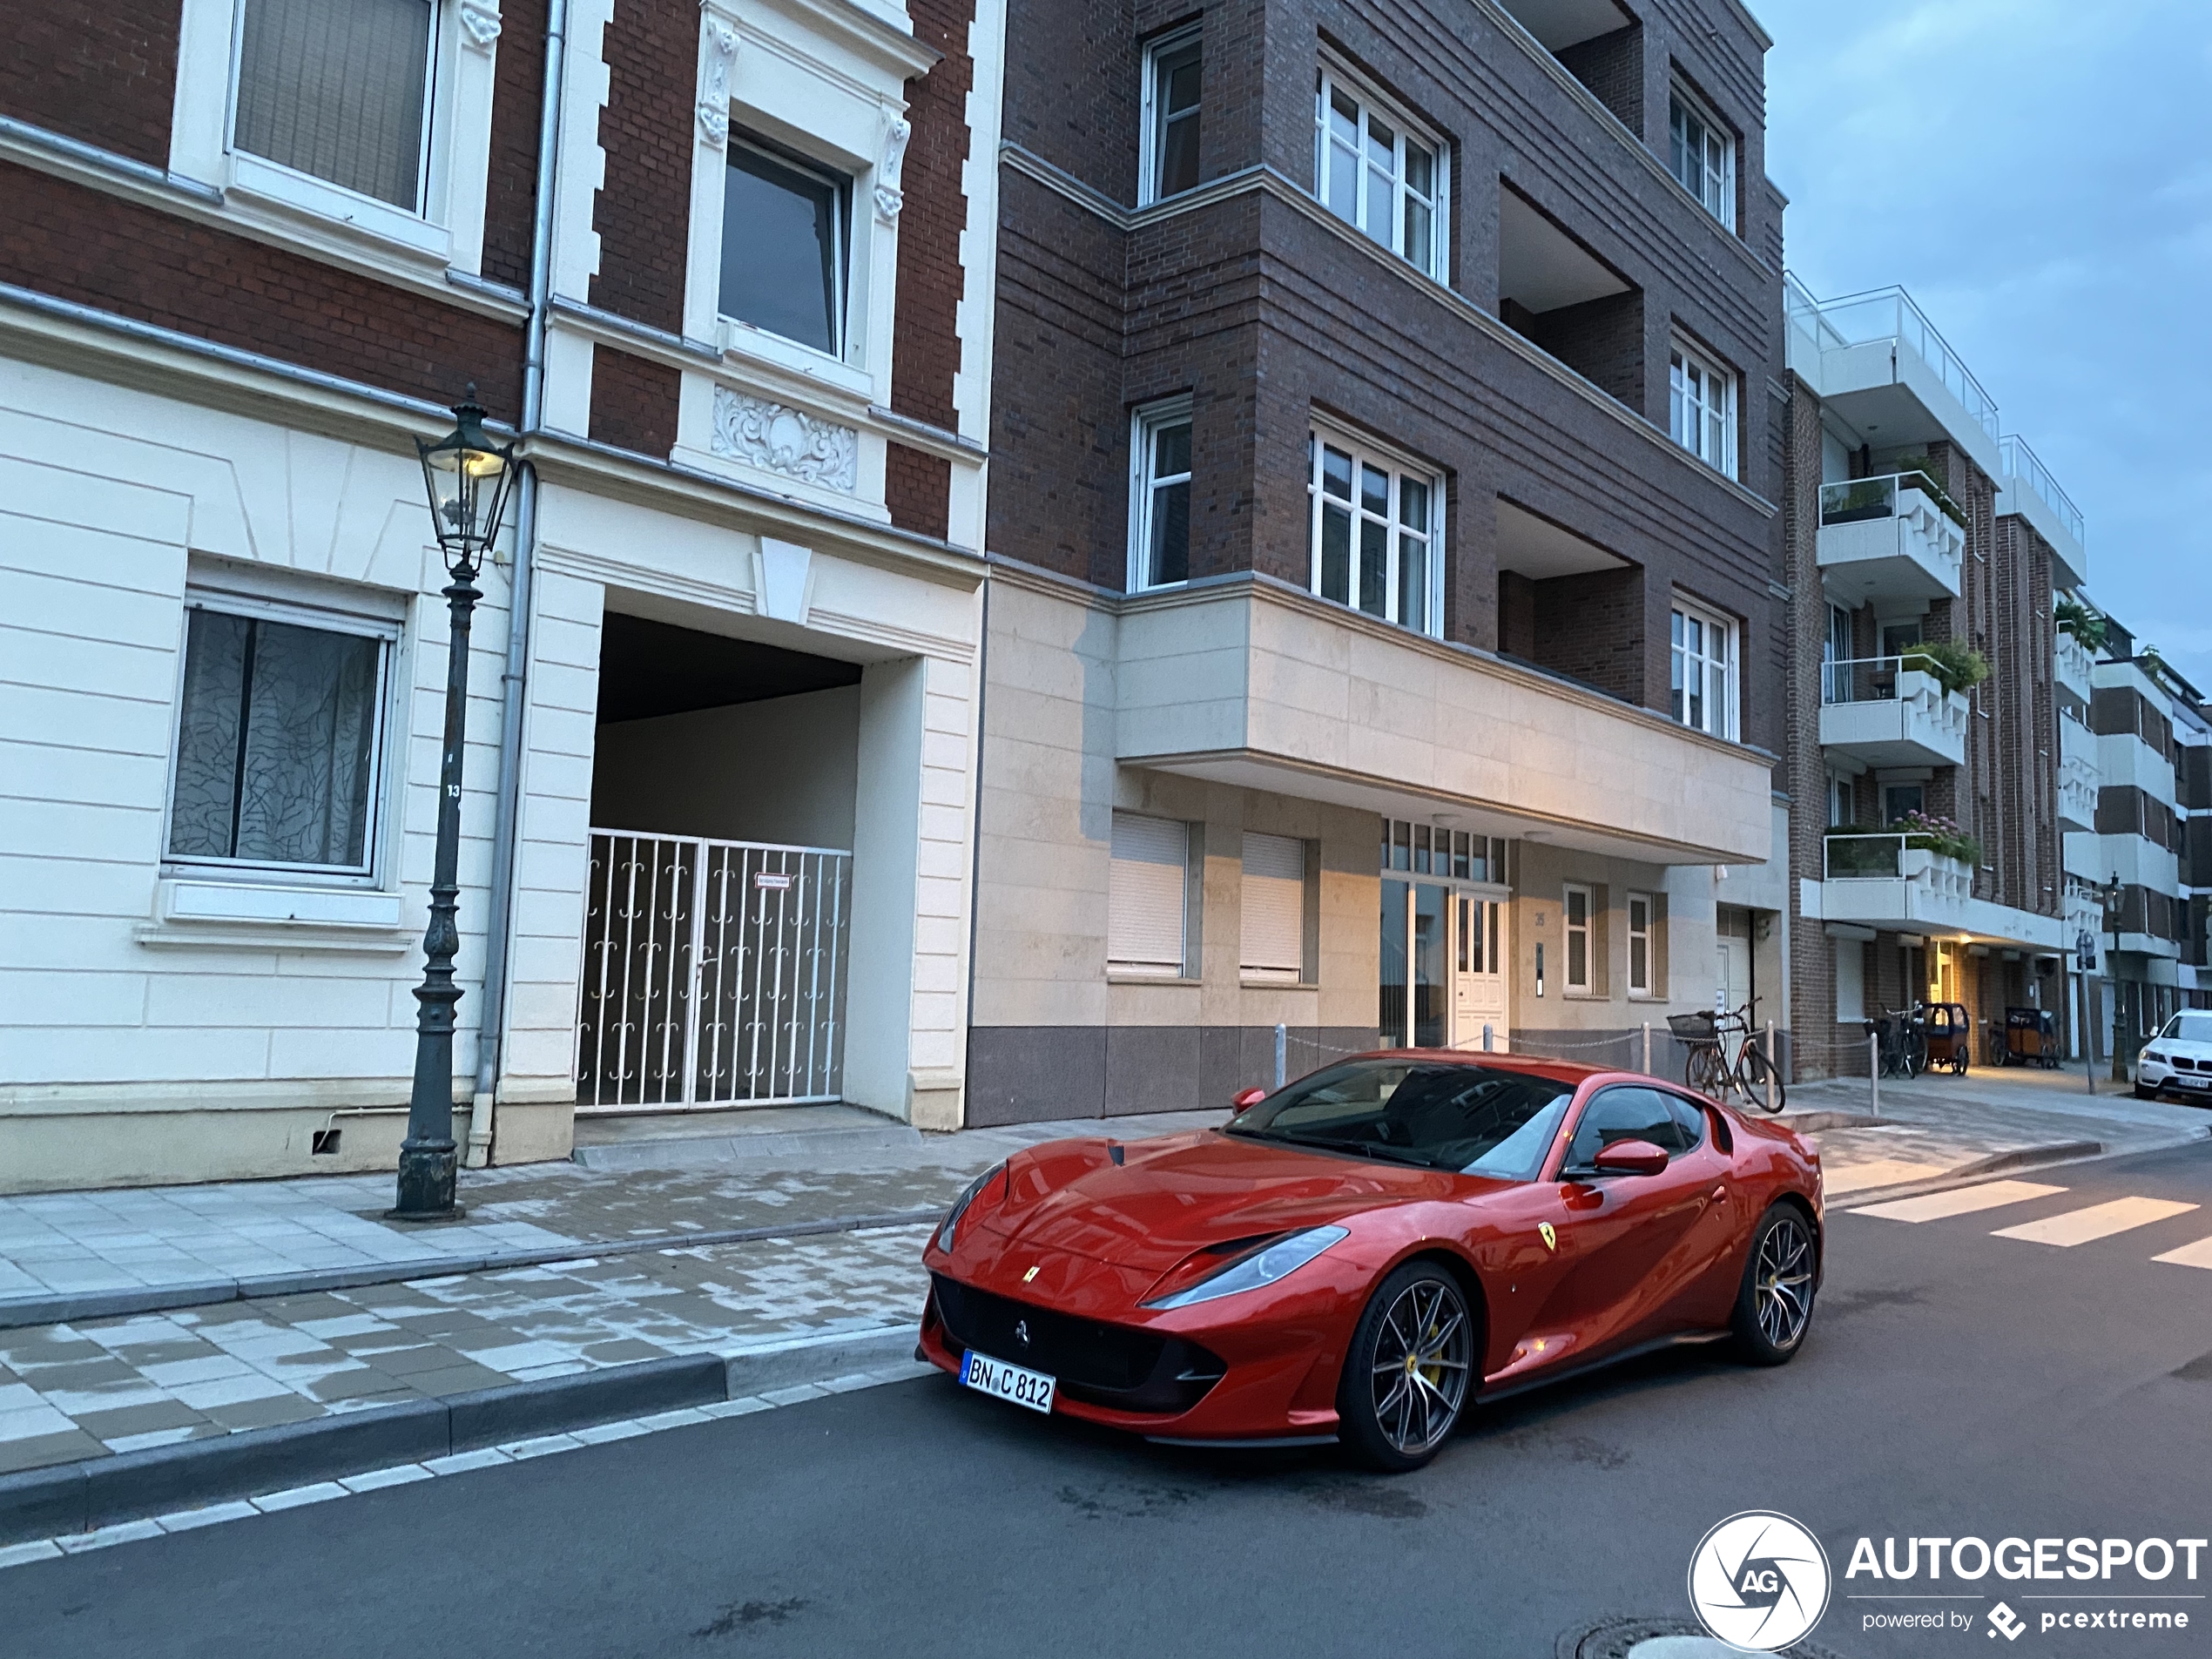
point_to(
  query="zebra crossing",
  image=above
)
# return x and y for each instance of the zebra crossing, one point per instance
(2063, 1229)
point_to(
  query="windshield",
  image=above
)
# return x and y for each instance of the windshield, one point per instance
(2191, 1025)
(1472, 1119)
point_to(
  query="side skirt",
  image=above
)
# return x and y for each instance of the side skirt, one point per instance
(1521, 1386)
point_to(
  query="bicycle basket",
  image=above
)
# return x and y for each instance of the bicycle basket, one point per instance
(1692, 1028)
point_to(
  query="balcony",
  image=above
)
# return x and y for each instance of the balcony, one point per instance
(1245, 681)
(1895, 537)
(2074, 667)
(2026, 487)
(1878, 362)
(2077, 775)
(1880, 713)
(1885, 880)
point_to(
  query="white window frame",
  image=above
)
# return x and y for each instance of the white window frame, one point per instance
(1329, 80)
(1701, 406)
(1569, 931)
(447, 229)
(1148, 968)
(1149, 157)
(1714, 188)
(381, 748)
(1683, 657)
(844, 187)
(1645, 934)
(1365, 453)
(1144, 486)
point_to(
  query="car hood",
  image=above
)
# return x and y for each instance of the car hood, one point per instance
(1181, 1193)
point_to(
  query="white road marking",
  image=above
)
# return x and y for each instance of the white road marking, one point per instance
(2097, 1221)
(1962, 1201)
(1877, 1172)
(2196, 1255)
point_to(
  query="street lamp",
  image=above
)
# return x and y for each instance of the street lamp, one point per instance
(468, 477)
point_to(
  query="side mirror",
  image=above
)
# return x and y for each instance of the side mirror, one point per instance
(1245, 1097)
(1630, 1158)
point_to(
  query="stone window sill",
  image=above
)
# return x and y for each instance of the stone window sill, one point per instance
(268, 917)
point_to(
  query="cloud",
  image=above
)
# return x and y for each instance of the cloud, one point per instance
(2039, 175)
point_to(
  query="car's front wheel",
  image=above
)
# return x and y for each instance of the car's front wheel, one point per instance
(1411, 1364)
(1774, 1306)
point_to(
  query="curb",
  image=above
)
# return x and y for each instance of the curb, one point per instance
(71, 1498)
(62, 1307)
(1996, 1164)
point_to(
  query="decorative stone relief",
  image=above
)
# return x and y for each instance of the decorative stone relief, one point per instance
(721, 56)
(480, 22)
(786, 441)
(889, 196)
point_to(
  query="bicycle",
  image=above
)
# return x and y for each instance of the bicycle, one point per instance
(1902, 1044)
(1708, 1068)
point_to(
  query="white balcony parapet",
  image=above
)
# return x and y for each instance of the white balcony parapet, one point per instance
(1890, 538)
(2078, 779)
(1881, 713)
(2075, 665)
(1883, 878)
(1878, 360)
(2027, 487)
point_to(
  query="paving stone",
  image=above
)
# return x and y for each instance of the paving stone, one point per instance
(286, 1407)
(139, 1419)
(39, 1451)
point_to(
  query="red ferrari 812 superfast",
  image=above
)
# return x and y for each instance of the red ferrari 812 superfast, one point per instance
(1367, 1251)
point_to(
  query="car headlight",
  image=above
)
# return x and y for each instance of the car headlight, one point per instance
(950, 1230)
(2154, 1056)
(1278, 1260)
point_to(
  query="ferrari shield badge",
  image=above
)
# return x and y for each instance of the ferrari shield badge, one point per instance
(1032, 1273)
(1550, 1238)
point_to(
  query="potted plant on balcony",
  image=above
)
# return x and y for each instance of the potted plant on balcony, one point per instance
(1918, 472)
(2083, 625)
(1955, 667)
(1942, 836)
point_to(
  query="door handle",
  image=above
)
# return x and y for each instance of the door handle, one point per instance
(1720, 1195)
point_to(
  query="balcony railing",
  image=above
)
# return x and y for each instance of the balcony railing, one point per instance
(1896, 536)
(2020, 461)
(1874, 679)
(1887, 714)
(2073, 665)
(1886, 878)
(1888, 313)
(1854, 500)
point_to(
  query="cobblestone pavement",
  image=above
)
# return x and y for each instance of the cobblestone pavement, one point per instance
(77, 1390)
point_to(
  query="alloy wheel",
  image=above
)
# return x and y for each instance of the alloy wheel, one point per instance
(1783, 1282)
(1424, 1355)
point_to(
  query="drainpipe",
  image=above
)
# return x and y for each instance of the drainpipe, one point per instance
(500, 911)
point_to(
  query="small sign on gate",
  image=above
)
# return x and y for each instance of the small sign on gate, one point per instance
(773, 881)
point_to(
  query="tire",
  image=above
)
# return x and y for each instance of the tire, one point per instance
(1916, 1056)
(1409, 1371)
(1756, 1070)
(2142, 1093)
(1706, 1072)
(1774, 1305)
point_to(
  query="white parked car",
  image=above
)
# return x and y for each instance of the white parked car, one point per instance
(2178, 1060)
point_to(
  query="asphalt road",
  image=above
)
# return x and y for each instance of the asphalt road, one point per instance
(1955, 1383)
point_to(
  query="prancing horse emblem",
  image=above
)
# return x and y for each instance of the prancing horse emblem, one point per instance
(1550, 1238)
(1022, 1332)
(1027, 1277)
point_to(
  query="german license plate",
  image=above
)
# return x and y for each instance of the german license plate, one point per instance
(1003, 1381)
(2187, 1081)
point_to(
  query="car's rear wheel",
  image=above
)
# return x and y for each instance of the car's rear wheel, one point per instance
(1407, 1376)
(1774, 1307)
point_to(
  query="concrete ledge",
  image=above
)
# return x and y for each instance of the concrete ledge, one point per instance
(61, 1307)
(694, 1152)
(97, 1492)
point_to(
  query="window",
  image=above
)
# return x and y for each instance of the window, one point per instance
(1172, 73)
(278, 744)
(1370, 171)
(1900, 799)
(1442, 852)
(783, 246)
(1470, 1118)
(1148, 898)
(1640, 975)
(1160, 507)
(1373, 533)
(1627, 1114)
(339, 92)
(1701, 408)
(1841, 810)
(1702, 153)
(1576, 909)
(1274, 906)
(1851, 982)
(1704, 671)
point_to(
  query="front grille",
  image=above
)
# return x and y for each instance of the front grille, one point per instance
(1102, 1365)
(2182, 1062)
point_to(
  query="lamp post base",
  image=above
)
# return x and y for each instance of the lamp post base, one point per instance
(427, 1180)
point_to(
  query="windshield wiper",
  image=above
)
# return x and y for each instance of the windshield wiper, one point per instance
(1363, 1150)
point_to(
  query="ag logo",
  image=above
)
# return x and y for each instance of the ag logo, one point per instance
(1759, 1581)
(2006, 1622)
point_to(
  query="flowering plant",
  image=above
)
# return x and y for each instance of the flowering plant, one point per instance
(1940, 835)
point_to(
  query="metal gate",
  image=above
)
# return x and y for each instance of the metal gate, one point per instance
(713, 973)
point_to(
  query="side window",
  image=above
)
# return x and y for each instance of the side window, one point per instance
(1625, 1114)
(1172, 77)
(1690, 1118)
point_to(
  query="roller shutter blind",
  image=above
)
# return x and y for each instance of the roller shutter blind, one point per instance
(1145, 896)
(338, 91)
(1274, 904)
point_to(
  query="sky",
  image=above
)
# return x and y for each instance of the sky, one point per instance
(2037, 175)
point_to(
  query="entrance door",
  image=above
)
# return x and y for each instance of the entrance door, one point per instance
(1732, 976)
(1413, 1006)
(1479, 947)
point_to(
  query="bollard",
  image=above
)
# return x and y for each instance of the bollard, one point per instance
(1282, 1053)
(1647, 1047)
(1874, 1072)
(1485, 1039)
(1770, 1066)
